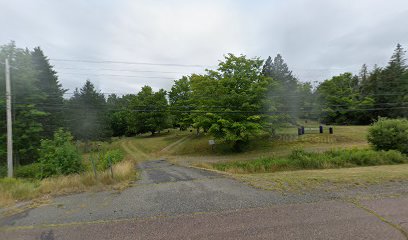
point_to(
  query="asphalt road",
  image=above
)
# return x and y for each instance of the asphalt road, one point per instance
(174, 202)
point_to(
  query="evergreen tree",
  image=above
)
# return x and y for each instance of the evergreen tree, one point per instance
(27, 117)
(394, 86)
(267, 67)
(48, 84)
(363, 75)
(87, 114)
(287, 92)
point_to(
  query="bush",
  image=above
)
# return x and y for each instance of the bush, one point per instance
(114, 156)
(59, 156)
(300, 159)
(389, 134)
(29, 171)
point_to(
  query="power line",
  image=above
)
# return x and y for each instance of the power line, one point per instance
(193, 106)
(194, 109)
(120, 70)
(129, 63)
(116, 75)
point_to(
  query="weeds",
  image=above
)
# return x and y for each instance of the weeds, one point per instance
(22, 189)
(300, 159)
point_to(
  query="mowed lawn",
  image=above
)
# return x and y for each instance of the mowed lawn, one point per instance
(326, 179)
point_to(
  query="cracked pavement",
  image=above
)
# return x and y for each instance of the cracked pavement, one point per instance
(175, 202)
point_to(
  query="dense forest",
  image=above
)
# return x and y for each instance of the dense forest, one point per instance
(243, 98)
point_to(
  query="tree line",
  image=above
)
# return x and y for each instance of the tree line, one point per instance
(242, 98)
(362, 98)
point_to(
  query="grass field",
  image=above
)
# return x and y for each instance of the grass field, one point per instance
(328, 179)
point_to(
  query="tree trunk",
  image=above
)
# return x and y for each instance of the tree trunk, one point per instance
(238, 145)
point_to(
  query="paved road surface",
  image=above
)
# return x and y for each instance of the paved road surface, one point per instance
(173, 202)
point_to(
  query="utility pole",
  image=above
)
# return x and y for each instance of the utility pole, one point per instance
(9, 123)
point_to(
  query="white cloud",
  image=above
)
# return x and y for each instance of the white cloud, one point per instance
(316, 37)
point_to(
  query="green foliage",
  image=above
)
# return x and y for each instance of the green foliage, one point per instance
(347, 99)
(3, 171)
(150, 111)
(140, 113)
(87, 114)
(340, 100)
(28, 128)
(53, 92)
(180, 101)
(235, 96)
(32, 171)
(110, 157)
(300, 159)
(387, 134)
(59, 155)
(285, 94)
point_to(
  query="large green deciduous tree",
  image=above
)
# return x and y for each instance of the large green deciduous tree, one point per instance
(149, 111)
(232, 98)
(181, 103)
(341, 101)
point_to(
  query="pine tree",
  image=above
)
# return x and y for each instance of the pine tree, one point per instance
(87, 114)
(394, 85)
(363, 75)
(48, 84)
(27, 117)
(267, 67)
(287, 93)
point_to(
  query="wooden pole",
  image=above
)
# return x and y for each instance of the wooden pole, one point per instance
(9, 123)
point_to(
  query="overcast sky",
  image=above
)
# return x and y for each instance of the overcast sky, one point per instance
(317, 38)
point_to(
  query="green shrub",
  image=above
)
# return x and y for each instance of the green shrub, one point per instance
(59, 156)
(389, 134)
(300, 159)
(29, 171)
(110, 157)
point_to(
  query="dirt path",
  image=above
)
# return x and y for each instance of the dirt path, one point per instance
(136, 153)
(174, 145)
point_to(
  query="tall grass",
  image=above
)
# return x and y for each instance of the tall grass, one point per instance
(12, 190)
(300, 159)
